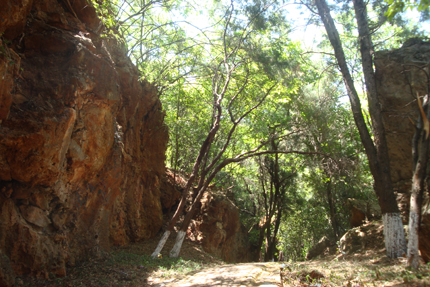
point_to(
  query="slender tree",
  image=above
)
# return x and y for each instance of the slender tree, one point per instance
(420, 153)
(376, 151)
(238, 88)
(274, 180)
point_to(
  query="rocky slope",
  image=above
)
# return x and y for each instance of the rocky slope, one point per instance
(400, 77)
(82, 141)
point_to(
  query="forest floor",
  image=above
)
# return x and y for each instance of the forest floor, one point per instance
(132, 266)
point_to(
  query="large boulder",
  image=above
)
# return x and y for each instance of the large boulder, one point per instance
(366, 237)
(218, 228)
(400, 76)
(82, 140)
(319, 248)
(361, 209)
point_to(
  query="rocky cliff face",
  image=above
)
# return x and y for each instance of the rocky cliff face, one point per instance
(400, 77)
(82, 141)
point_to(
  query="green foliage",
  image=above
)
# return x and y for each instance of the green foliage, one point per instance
(107, 11)
(398, 6)
(303, 228)
(246, 55)
(257, 61)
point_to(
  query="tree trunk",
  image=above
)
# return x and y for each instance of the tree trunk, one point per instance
(420, 147)
(187, 220)
(332, 208)
(170, 227)
(272, 238)
(260, 240)
(396, 242)
(269, 246)
(175, 217)
(178, 244)
(202, 153)
(393, 229)
(377, 153)
(161, 244)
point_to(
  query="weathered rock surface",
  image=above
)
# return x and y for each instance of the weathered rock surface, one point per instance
(366, 237)
(400, 77)
(82, 141)
(319, 248)
(169, 189)
(219, 229)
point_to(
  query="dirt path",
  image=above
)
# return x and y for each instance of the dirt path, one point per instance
(244, 274)
(132, 266)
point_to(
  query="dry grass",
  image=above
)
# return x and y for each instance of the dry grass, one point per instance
(371, 268)
(132, 266)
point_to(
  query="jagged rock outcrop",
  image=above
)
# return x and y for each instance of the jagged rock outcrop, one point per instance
(400, 77)
(219, 229)
(82, 140)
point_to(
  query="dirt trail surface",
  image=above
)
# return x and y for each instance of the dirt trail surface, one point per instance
(243, 274)
(132, 266)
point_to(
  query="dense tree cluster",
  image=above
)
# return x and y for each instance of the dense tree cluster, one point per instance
(254, 111)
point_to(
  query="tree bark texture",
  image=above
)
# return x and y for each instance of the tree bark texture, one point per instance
(420, 148)
(394, 235)
(178, 244)
(377, 152)
(383, 186)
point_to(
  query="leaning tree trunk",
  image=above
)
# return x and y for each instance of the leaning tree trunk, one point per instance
(202, 153)
(420, 148)
(187, 220)
(174, 219)
(377, 153)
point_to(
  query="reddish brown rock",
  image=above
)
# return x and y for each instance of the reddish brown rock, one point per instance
(35, 215)
(169, 189)
(357, 217)
(82, 140)
(13, 15)
(360, 210)
(9, 69)
(219, 229)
